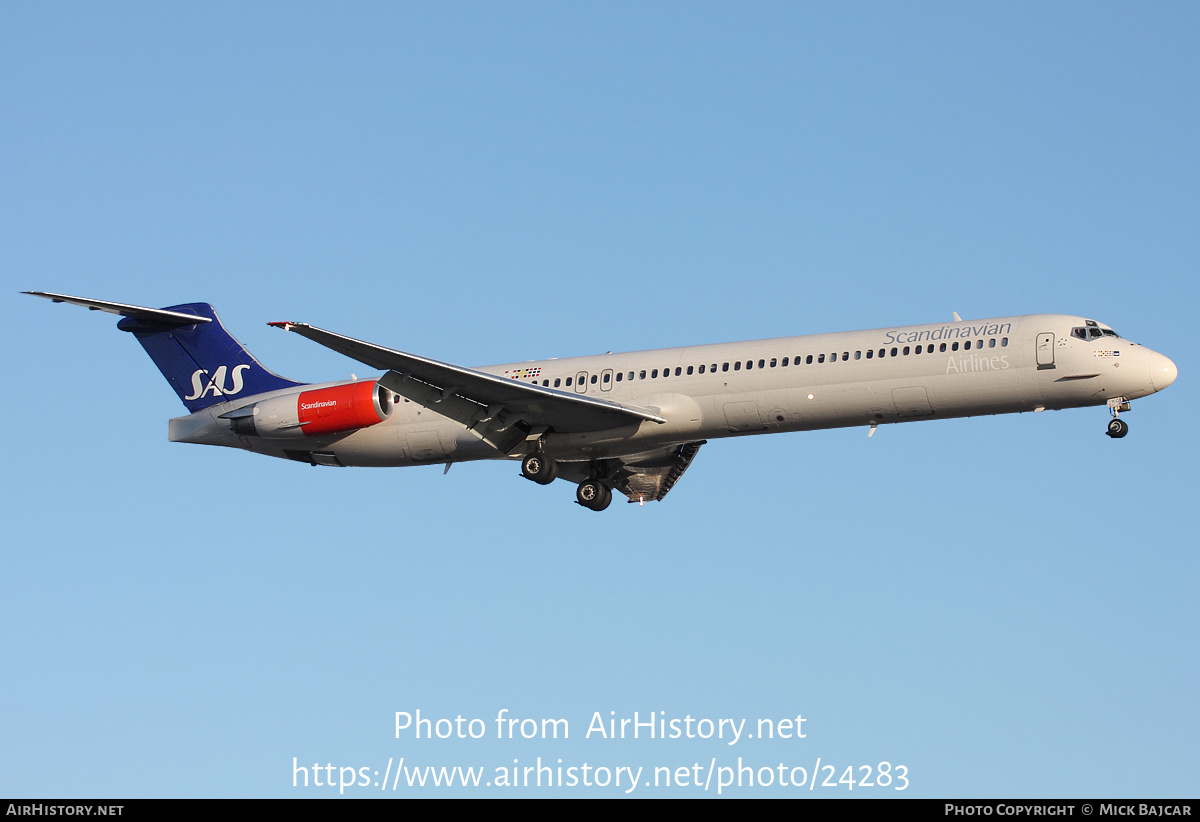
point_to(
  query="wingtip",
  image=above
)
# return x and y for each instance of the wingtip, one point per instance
(286, 326)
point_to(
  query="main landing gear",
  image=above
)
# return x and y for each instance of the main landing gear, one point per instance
(592, 493)
(539, 468)
(1117, 427)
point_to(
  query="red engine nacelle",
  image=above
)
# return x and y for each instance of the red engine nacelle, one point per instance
(332, 410)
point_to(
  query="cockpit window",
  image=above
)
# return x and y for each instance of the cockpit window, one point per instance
(1093, 332)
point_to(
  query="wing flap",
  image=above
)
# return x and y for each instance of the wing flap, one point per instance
(643, 477)
(489, 423)
(652, 479)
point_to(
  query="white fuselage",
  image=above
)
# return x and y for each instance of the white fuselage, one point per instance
(902, 374)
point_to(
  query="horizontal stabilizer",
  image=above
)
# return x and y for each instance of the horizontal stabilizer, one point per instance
(157, 316)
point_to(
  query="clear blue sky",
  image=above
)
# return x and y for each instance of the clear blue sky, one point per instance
(1006, 606)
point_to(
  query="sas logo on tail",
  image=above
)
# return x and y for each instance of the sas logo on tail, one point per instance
(216, 384)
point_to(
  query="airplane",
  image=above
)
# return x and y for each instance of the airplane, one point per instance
(629, 422)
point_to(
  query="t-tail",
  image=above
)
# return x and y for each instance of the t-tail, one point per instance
(200, 359)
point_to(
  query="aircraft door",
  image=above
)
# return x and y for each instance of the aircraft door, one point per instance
(581, 382)
(743, 416)
(606, 379)
(911, 401)
(1045, 350)
(425, 445)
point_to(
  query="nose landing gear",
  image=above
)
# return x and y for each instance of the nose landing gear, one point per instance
(1117, 427)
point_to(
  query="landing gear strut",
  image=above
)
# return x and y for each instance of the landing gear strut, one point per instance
(593, 494)
(539, 468)
(1117, 427)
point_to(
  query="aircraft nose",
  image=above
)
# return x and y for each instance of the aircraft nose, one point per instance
(1162, 371)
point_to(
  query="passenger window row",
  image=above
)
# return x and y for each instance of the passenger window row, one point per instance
(804, 359)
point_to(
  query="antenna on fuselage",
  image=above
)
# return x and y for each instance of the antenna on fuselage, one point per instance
(957, 318)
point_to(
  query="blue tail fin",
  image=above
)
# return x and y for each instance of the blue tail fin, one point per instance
(202, 361)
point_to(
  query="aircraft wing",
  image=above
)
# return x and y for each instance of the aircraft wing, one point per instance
(502, 411)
